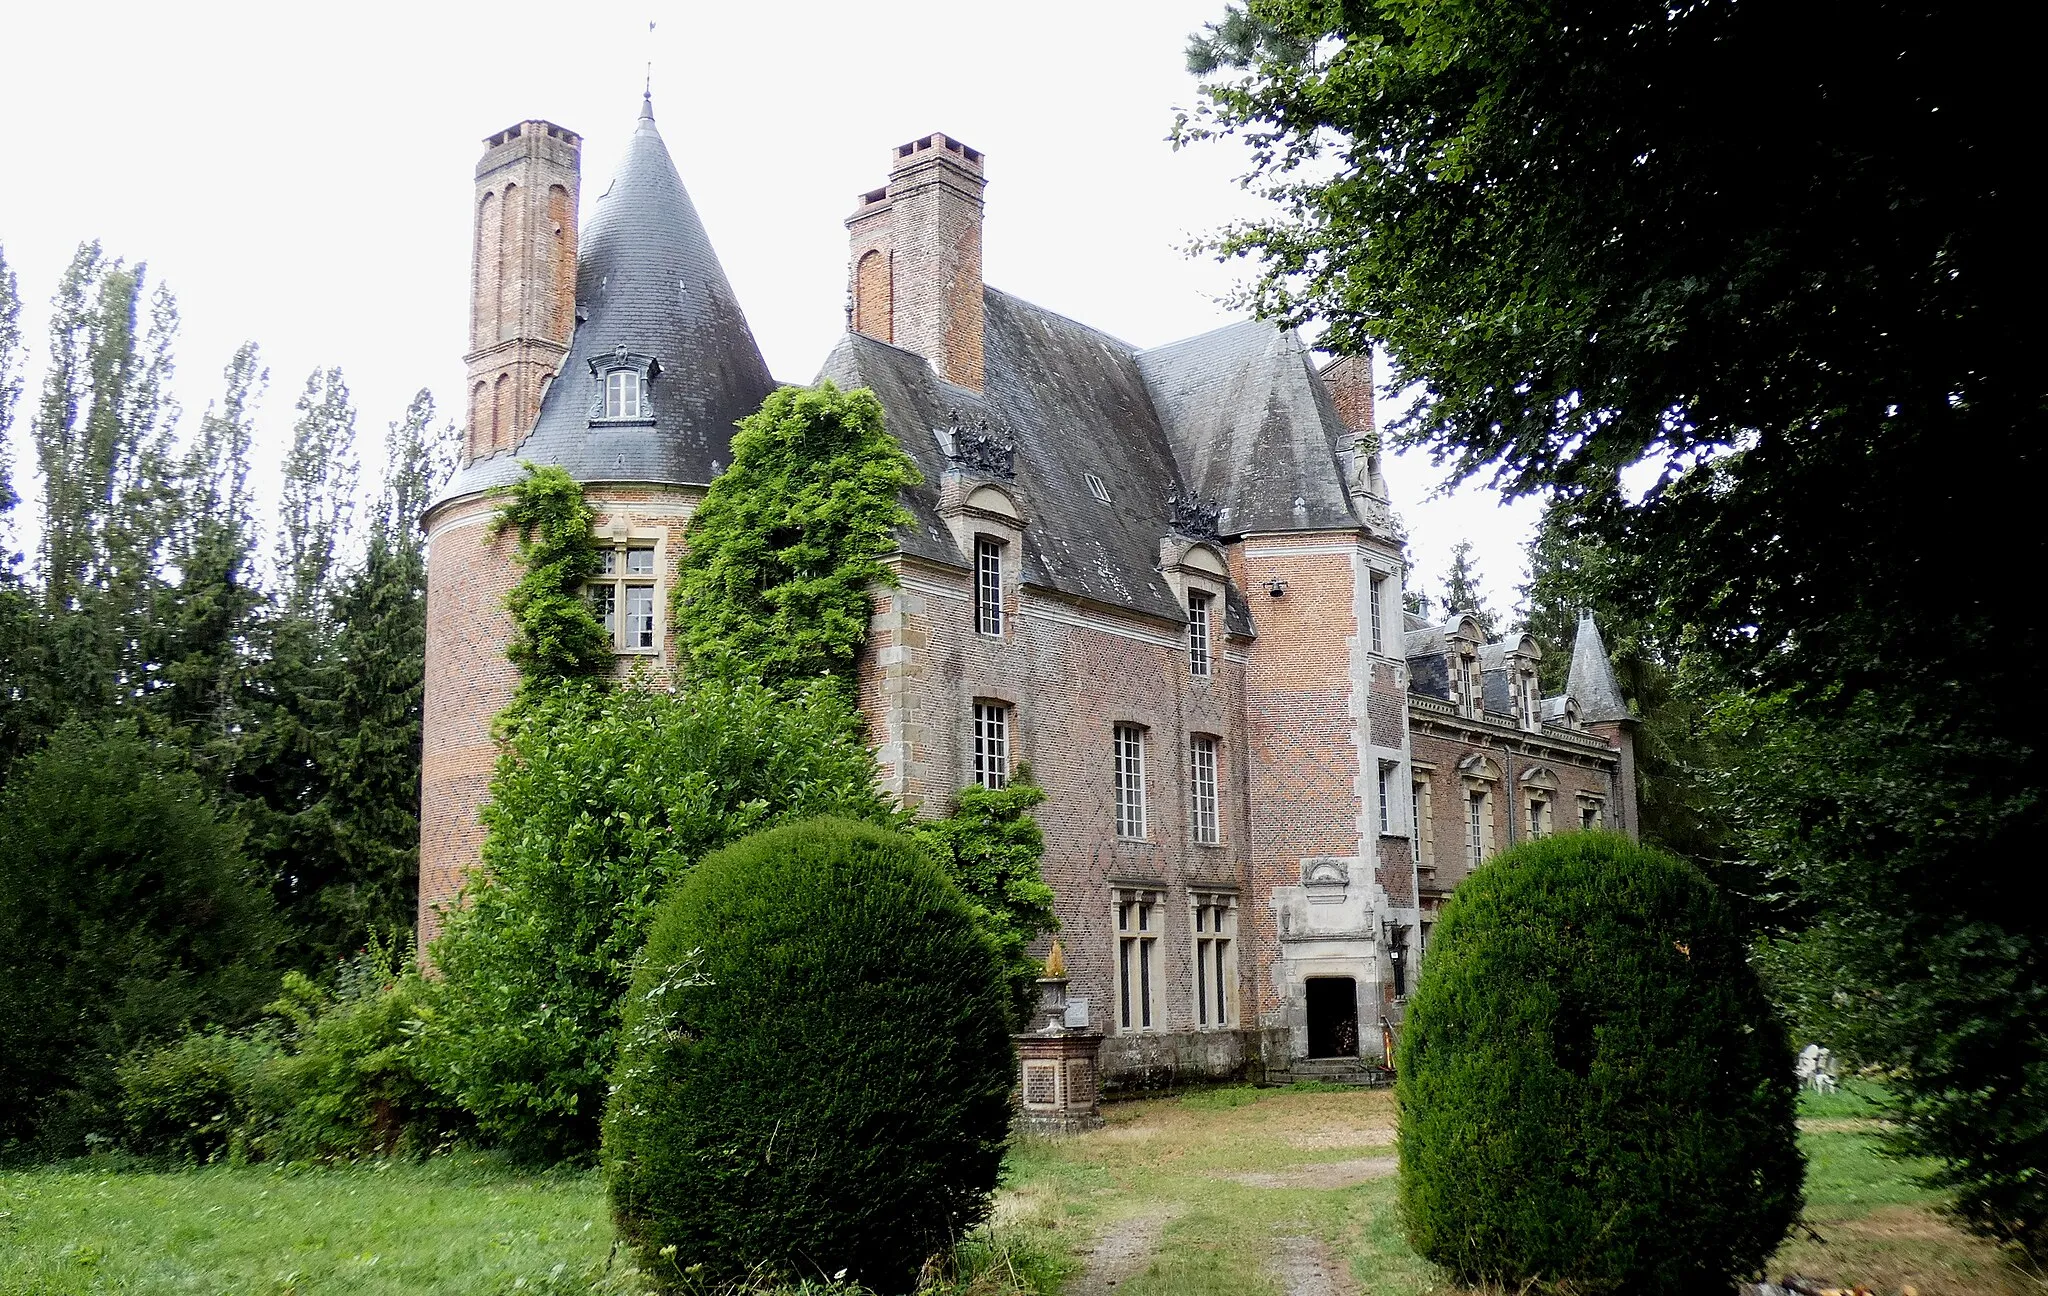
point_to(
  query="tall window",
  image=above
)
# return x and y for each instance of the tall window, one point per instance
(1137, 942)
(1415, 820)
(1589, 815)
(622, 597)
(1539, 817)
(622, 395)
(991, 744)
(1202, 789)
(1215, 933)
(1378, 597)
(1130, 781)
(988, 586)
(1198, 634)
(1387, 771)
(1475, 829)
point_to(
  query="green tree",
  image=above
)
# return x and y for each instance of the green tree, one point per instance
(372, 770)
(605, 797)
(1784, 258)
(1595, 1095)
(126, 914)
(12, 356)
(790, 538)
(992, 848)
(213, 608)
(1462, 592)
(319, 496)
(23, 697)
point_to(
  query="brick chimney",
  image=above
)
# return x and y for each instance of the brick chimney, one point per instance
(915, 271)
(1349, 380)
(522, 302)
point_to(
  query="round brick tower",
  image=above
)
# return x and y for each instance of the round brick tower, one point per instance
(622, 357)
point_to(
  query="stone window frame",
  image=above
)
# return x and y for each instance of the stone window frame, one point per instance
(645, 370)
(1199, 567)
(1376, 582)
(1422, 810)
(617, 544)
(1480, 780)
(1137, 917)
(1594, 805)
(1201, 637)
(989, 585)
(1213, 952)
(1539, 790)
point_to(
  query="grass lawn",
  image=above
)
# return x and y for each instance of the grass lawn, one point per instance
(1237, 1191)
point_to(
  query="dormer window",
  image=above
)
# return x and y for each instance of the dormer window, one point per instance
(625, 387)
(622, 394)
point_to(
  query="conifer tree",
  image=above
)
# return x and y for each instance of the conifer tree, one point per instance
(213, 609)
(1461, 588)
(373, 776)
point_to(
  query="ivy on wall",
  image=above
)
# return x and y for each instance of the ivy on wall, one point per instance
(791, 537)
(555, 636)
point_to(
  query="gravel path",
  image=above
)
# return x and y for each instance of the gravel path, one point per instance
(1123, 1251)
(1304, 1268)
(1324, 1174)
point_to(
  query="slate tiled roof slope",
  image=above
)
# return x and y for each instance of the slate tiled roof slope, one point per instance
(1236, 415)
(646, 279)
(1253, 427)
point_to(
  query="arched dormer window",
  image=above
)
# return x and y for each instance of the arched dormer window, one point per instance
(622, 394)
(625, 387)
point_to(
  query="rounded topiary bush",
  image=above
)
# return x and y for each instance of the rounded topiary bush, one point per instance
(1595, 1096)
(815, 1069)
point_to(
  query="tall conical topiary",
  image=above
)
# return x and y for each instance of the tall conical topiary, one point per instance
(815, 1067)
(1595, 1096)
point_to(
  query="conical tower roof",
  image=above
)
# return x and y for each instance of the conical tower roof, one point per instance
(1591, 683)
(649, 286)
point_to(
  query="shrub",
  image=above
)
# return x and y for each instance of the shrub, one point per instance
(127, 914)
(1595, 1095)
(602, 800)
(194, 1099)
(992, 848)
(331, 1074)
(815, 1070)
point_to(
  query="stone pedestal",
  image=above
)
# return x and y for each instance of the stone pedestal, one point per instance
(1059, 1086)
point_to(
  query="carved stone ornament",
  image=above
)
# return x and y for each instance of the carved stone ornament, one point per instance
(1326, 878)
(975, 445)
(1191, 517)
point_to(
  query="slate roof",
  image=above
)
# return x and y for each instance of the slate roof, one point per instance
(1591, 683)
(648, 280)
(1075, 402)
(1253, 427)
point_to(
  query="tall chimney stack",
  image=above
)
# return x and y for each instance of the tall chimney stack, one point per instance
(522, 302)
(916, 257)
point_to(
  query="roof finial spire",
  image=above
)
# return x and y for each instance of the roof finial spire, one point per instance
(647, 92)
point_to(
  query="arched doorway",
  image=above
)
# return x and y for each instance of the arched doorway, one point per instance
(1332, 1017)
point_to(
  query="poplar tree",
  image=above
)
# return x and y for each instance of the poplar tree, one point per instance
(319, 494)
(21, 644)
(212, 611)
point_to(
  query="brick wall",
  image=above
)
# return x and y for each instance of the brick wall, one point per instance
(916, 257)
(469, 681)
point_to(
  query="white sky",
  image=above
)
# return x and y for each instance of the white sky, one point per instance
(301, 175)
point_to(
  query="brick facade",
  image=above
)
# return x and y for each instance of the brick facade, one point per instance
(1333, 719)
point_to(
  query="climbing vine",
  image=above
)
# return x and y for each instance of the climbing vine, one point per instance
(791, 537)
(555, 636)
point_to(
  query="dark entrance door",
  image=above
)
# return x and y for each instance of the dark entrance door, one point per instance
(1332, 1017)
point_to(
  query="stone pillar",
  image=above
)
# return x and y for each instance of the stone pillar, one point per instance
(1059, 1088)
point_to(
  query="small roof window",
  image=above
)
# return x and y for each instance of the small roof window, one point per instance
(1096, 488)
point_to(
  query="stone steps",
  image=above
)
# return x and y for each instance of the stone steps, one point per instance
(1344, 1071)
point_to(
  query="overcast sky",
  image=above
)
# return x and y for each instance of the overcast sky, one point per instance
(301, 175)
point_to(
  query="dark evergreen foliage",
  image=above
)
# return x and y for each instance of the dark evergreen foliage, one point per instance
(1595, 1095)
(815, 1069)
(127, 914)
